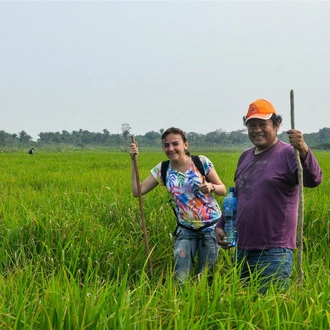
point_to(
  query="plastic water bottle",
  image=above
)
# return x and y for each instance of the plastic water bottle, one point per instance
(229, 209)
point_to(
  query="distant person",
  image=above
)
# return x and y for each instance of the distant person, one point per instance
(196, 208)
(266, 185)
(31, 151)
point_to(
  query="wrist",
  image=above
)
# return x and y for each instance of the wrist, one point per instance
(213, 188)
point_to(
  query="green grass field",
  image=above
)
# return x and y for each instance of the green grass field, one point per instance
(73, 256)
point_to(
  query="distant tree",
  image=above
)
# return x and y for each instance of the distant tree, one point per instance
(116, 139)
(105, 138)
(218, 136)
(43, 137)
(161, 131)
(87, 137)
(24, 137)
(324, 135)
(50, 137)
(7, 139)
(3, 137)
(195, 137)
(125, 128)
(238, 137)
(76, 137)
(152, 135)
(312, 139)
(324, 146)
(106, 132)
(283, 136)
(66, 137)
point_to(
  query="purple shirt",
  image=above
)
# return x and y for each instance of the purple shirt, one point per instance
(268, 194)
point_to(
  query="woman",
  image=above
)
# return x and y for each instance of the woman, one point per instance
(196, 209)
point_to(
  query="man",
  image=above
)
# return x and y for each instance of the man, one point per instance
(266, 185)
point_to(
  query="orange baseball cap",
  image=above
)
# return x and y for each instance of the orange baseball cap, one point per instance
(261, 109)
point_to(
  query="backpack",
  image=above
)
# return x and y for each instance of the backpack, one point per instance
(195, 159)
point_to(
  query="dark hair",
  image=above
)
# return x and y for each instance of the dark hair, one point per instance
(178, 131)
(276, 119)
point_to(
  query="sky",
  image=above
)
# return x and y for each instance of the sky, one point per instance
(196, 65)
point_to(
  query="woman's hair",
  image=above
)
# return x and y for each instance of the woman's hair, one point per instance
(174, 130)
(178, 131)
(276, 119)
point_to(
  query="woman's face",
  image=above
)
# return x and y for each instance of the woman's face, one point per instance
(174, 146)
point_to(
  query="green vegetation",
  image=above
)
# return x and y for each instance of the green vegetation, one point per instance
(83, 139)
(72, 252)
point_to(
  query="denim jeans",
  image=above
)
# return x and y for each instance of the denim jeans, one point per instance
(272, 265)
(189, 243)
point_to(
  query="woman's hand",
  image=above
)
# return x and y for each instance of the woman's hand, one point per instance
(206, 187)
(134, 150)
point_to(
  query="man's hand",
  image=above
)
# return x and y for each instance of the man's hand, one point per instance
(297, 140)
(220, 235)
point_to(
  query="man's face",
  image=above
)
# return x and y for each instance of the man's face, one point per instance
(262, 133)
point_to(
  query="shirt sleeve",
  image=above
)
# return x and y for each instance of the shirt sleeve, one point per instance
(156, 173)
(221, 222)
(207, 164)
(312, 173)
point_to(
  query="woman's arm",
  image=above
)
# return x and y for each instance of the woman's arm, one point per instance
(148, 184)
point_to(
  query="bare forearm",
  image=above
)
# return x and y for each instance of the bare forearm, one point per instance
(134, 182)
(219, 189)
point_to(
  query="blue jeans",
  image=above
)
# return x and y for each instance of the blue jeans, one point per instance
(187, 244)
(272, 265)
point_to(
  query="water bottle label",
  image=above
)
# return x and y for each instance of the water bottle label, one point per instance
(228, 213)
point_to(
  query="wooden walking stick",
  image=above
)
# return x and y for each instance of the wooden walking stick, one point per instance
(301, 199)
(143, 222)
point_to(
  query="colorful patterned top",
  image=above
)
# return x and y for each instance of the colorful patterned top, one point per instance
(193, 208)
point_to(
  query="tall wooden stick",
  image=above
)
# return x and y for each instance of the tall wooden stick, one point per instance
(143, 222)
(301, 200)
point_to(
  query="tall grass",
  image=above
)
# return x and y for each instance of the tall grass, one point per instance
(72, 253)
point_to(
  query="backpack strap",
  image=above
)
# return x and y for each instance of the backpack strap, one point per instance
(199, 165)
(195, 159)
(164, 169)
(198, 230)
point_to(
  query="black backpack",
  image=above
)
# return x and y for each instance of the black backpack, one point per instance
(196, 161)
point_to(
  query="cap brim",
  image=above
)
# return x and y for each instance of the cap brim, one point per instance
(264, 116)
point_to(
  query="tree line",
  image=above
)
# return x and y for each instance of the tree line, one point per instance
(82, 138)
